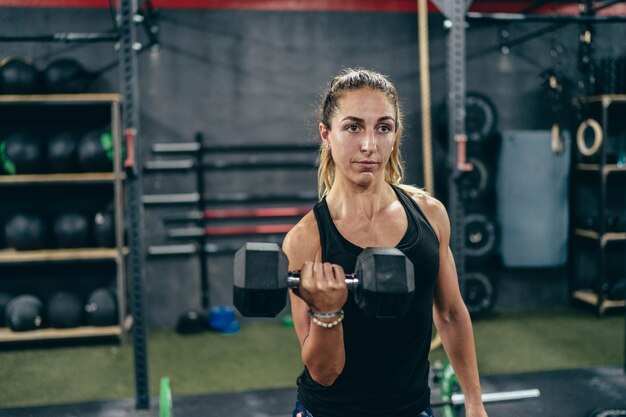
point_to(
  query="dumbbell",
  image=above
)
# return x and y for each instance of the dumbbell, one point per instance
(382, 285)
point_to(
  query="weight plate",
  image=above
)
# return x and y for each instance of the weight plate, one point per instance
(481, 119)
(475, 183)
(480, 236)
(478, 293)
(608, 412)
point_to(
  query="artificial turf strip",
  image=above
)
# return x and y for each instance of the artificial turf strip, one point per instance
(547, 340)
(265, 354)
(261, 355)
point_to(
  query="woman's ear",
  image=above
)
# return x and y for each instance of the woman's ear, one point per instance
(324, 132)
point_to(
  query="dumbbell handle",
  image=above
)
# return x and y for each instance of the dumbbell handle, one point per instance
(293, 280)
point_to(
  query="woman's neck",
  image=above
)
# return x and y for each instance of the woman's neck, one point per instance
(350, 200)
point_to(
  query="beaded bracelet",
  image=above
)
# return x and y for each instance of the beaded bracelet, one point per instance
(318, 322)
(325, 315)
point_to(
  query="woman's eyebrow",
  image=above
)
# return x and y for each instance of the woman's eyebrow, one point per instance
(353, 118)
(386, 118)
(359, 120)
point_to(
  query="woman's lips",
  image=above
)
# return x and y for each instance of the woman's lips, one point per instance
(366, 164)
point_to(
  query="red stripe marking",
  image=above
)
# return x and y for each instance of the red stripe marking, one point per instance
(256, 212)
(88, 4)
(402, 6)
(278, 5)
(248, 230)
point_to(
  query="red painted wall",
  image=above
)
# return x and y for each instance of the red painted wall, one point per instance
(398, 6)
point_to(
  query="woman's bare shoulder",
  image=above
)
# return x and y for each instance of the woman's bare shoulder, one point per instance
(302, 243)
(433, 209)
(426, 201)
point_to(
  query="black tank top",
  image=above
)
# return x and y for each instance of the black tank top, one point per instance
(386, 368)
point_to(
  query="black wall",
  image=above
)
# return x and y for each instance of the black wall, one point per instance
(257, 77)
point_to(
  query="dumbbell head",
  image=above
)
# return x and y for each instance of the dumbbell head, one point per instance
(387, 283)
(260, 285)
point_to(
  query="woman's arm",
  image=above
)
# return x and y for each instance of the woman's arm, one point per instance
(450, 313)
(323, 290)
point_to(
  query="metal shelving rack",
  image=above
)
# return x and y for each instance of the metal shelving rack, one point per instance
(116, 254)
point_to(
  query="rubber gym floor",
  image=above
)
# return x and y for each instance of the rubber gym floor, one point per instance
(573, 357)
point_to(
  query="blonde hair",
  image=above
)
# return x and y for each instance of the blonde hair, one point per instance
(347, 80)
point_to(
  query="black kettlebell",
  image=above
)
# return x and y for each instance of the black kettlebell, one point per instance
(101, 307)
(22, 153)
(66, 76)
(24, 313)
(71, 230)
(63, 152)
(25, 231)
(95, 151)
(64, 310)
(19, 76)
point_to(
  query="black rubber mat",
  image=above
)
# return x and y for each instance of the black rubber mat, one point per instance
(566, 393)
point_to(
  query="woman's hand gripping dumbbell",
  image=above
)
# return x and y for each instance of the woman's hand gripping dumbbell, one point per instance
(382, 284)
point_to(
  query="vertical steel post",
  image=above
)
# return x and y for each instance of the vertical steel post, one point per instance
(130, 93)
(203, 257)
(456, 129)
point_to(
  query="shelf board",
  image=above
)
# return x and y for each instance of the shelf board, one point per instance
(47, 255)
(7, 335)
(596, 167)
(617, 98)
(589, 297)
(86, 177)
(60, 98)
(606, 237)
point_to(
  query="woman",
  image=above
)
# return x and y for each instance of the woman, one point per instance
(356, 366)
